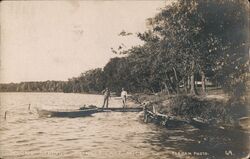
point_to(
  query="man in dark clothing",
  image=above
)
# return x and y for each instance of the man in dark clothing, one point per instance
(106, 93)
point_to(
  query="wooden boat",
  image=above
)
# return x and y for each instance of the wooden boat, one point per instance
(172, 121)
(199, 123)
(66, 113)
(82, 112)
(164, 120)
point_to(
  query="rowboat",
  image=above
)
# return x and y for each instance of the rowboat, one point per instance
(66, 113)
(83, 112)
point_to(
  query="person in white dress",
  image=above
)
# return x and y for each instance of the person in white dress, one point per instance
(124, 95)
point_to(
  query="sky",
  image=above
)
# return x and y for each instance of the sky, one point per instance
(57, 40)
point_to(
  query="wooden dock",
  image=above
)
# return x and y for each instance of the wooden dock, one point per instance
(136, 109)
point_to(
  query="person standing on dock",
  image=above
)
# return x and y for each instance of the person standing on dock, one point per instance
(124, 95)
(106, 93)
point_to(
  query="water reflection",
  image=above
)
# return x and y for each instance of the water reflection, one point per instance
(187, 141)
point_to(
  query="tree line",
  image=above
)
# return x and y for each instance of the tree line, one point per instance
(45, 86)
(187, 41)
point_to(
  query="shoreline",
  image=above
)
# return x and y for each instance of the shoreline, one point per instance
(219, 111)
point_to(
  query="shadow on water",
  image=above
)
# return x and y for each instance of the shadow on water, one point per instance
(203, 143)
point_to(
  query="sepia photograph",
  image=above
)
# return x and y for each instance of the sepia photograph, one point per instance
(124, 79)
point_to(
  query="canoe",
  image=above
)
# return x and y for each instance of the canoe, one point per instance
(66, 113)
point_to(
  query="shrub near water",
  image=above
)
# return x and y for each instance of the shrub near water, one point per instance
(209, 110)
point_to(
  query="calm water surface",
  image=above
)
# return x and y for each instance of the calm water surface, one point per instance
(104, 135)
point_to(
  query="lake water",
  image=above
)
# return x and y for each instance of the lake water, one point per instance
(109, 135)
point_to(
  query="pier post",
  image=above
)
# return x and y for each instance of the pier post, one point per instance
(145, 114)
(5, 115)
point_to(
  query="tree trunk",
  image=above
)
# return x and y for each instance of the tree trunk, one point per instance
(166, 88)
(188, 83)
(192, 81)
(152, 89)
(192, 84)
(171, 84)
(203, 83)
(176, 81)
(185, 84)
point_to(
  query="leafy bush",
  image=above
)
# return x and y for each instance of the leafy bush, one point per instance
(210, 110)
